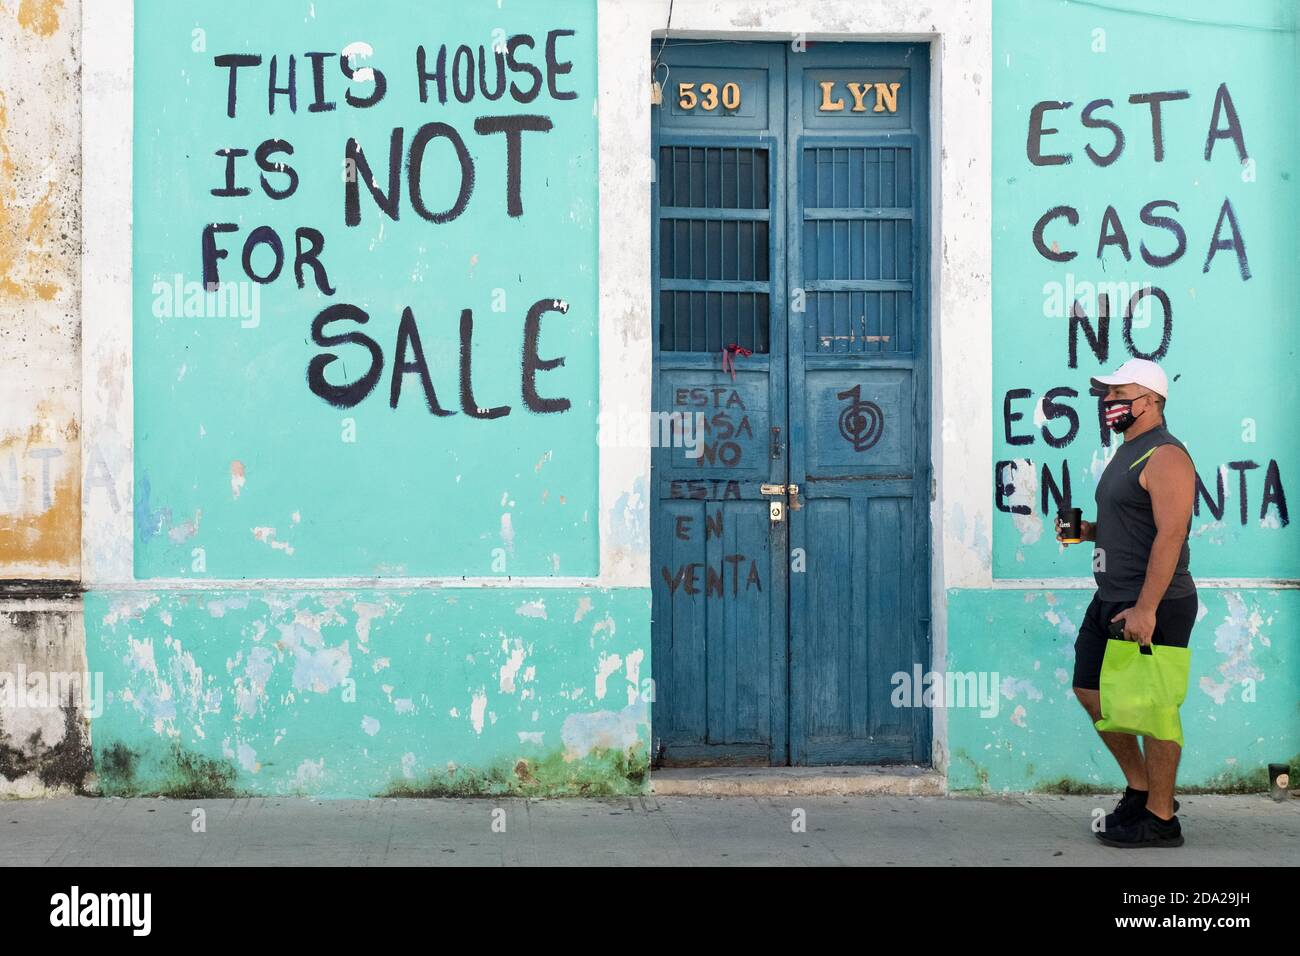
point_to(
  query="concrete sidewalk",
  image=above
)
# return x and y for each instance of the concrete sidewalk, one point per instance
(651, 830)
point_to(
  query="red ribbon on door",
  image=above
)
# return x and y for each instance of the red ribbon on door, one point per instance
(728, 358)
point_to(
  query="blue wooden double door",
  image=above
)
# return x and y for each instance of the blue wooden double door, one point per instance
(791, 459)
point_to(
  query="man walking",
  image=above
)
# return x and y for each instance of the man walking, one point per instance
(1144, 514)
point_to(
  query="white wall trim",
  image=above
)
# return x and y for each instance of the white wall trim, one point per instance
(349, 584)
(107, 404)
(1089, 584)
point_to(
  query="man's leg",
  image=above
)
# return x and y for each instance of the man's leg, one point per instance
(1162, 767)
(1124, 747)
(1174, 621)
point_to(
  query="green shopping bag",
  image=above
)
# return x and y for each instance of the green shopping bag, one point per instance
(1142, 689)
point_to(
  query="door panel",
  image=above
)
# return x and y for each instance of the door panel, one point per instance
(859, 401)
(858, 593)
(859, 421)
(720, 600)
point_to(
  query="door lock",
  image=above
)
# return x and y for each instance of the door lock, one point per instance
(776, 511)
(790, 491)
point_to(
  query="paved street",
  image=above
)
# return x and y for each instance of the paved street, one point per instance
(651, 830)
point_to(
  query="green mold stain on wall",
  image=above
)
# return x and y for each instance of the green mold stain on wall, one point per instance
(371, 693)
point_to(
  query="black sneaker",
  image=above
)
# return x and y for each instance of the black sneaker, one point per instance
(1129, 809)
(1148, 830)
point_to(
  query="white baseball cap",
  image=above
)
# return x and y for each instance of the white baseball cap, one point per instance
(1137, 372)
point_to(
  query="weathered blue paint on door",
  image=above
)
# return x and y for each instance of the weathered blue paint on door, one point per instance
(719, 566)
(859, 400)
(791, 218)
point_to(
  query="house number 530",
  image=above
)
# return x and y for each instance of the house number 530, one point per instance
(708, 96)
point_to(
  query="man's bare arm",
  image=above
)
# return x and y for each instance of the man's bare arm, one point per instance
(1170, 479)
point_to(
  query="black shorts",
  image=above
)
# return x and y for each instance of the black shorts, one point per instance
(1174, 620)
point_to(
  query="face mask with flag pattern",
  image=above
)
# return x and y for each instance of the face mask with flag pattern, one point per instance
(1119, 413)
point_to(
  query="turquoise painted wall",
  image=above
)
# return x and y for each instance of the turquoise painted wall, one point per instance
(236, 454)
(1231, 346)
(367, 693)
(1230, 353)
(1242, 710)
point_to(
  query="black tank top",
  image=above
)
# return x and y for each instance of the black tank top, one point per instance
(1126, 527)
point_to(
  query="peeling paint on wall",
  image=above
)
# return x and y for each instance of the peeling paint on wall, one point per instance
(29, 242)
(39, 155)
(39, 16)
(47, 698)
(40, 494)
(273, 692)
(1242, 719)
(40, 406)
(1244, 627)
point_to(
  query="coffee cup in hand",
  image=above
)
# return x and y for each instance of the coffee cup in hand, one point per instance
(1069, 525)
